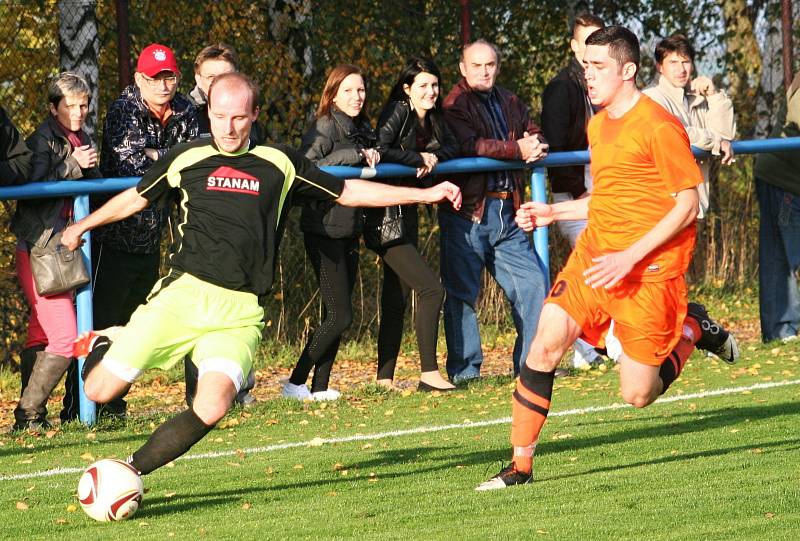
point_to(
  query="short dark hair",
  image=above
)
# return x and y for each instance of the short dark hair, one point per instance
(623, 45)
(587, 20)
(676, 43)
(241, 78)
(218, 51)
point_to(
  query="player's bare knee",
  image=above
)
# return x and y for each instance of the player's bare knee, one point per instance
(98, 394)
(544, 356)
(637, 398)
(210, 411)
(93, 388)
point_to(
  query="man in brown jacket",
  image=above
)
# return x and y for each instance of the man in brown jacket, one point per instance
(492, 122)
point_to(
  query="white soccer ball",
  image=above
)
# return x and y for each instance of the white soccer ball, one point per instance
(110, 489)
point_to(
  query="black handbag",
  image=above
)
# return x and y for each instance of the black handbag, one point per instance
(387, 231)
(57, 269)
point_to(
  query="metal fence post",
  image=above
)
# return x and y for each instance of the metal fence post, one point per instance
(540, 241)
(83, 301)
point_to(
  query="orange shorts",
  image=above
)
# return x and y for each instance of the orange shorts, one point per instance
(648, 316)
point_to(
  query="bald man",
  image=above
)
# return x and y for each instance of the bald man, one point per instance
(234, 201)
(492, 122)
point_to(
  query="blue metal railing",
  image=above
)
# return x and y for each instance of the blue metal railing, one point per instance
(82, 188)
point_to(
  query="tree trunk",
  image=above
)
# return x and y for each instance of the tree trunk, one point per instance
(289, 24)
(79, 47)
(744, 61)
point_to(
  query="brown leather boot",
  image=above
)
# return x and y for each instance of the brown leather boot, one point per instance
(27, 358)
(31, 412)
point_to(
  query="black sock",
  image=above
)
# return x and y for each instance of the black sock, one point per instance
(169, 441)
(537, 382)
(669, 371)
(99, 349)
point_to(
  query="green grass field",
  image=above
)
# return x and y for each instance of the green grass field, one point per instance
(698, 466)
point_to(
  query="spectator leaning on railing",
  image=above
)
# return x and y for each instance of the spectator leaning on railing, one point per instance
(147, 119)
(704, 110)
(778, 189)
(566, 111)
(340, 134)
(61, 151)
(15, 168)
(15, 156)
(213, 61)
(411, 131)
(210, 62)
(488, 121)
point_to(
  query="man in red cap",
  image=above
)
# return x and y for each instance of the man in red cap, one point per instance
(141, 125)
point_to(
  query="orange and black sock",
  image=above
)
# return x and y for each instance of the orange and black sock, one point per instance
(675, 361)
(531, 404)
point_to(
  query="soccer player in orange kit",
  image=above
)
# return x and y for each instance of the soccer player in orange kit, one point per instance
(629, 263)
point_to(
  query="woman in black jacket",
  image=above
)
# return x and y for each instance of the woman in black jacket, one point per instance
(340, 135)
(62, 150)
(411, 131)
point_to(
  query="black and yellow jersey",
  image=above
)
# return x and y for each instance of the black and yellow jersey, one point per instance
(232, 207)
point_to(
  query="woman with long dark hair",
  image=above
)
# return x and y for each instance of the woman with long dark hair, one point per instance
(411, 131)
(339, 135)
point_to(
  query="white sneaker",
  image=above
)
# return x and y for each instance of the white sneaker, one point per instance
(326, 396)
(613, 345)
(298, 392)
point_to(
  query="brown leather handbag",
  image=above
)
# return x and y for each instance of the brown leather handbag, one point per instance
(57, 269)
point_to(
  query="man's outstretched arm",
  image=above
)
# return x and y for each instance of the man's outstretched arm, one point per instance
(365, 193)
(119, 207)
(532, 214)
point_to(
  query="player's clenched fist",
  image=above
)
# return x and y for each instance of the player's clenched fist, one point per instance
(532, 215)
(71, 237)
(445, 190)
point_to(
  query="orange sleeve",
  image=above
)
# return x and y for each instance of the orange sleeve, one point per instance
(673, 157)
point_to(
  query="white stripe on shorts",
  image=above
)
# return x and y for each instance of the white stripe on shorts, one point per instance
(226, 366)
(122, 371)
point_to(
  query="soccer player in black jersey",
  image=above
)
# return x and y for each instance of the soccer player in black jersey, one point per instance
(233, 199)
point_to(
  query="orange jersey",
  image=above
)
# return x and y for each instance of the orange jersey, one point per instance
(638, 162)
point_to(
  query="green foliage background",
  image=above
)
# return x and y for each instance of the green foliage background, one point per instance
(289, 45)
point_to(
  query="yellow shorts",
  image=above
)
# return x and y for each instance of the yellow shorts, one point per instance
(648, 316)
(220, 329)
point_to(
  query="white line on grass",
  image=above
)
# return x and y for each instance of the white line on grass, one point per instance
(422, 429)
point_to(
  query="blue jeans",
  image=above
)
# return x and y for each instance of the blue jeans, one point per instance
(507, 253)
(778, 260)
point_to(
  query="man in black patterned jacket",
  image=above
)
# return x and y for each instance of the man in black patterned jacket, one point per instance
(141, 125)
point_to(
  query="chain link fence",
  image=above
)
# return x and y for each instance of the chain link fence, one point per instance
(277, 46)
(287, 46)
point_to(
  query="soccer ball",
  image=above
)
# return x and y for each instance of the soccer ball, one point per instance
(110, 489)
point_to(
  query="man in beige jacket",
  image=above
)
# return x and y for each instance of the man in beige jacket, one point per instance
(705, 111)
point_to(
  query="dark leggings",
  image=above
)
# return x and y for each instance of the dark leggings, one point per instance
(404, 269)
(335, 262)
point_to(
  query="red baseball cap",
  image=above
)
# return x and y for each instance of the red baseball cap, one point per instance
(156, 58)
